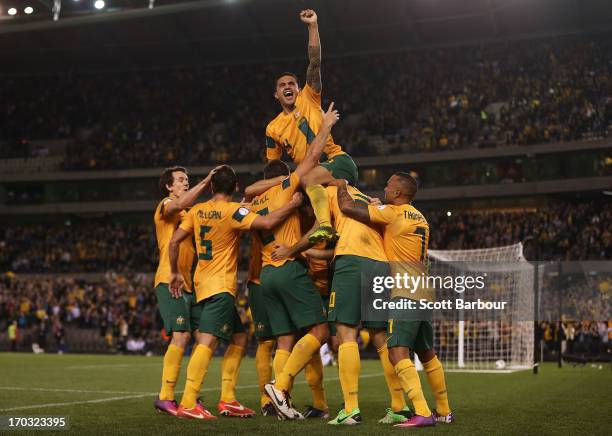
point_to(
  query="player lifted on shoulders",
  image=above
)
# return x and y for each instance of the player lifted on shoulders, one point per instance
(294, 129)
(406, 235)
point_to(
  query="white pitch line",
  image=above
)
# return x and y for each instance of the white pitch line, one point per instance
(85, 391)
(149, 394)
(112, 366)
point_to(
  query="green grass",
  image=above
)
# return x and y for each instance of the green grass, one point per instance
(557, 401)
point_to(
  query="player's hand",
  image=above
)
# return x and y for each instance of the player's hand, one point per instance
(330, 117)
(208, 178)
(308, 16)
(338, 182)
(374, 201)
(280, 252)
(177, 283)
(297, 199)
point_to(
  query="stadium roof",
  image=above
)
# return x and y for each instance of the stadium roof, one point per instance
(177, 33)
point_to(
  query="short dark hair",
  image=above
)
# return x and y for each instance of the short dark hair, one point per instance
(167, 178)
(224, 180)
(276, 168)
(409, 184)
(286, 73)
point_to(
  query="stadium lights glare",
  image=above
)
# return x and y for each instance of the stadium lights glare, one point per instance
(28, 10)
(12, 11)
(99, 4)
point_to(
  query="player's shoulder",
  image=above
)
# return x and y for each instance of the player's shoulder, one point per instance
(271, 126)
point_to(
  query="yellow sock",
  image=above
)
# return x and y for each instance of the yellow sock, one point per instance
(320, 204)
(280, 358)
(349, 366)
(170, 372)
(263, 365)
(411, 384)
(300, 355)
(435, 379)
(398, 401)
(196, 371)
(314, 378)
(230, 368)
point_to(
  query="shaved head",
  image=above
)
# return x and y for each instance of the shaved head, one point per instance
(407, 184)
(401, 188)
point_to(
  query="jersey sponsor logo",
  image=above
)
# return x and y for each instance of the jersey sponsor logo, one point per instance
(381, 206)
(243, 211)
(180, 320)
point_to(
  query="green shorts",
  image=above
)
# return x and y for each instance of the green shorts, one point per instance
(345, 297)
(174, 311)
(331, 325)
(292, 301)
(415, 335)
(217, 315)
(257, 304)
(342, 167)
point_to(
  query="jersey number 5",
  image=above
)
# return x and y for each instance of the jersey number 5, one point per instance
(206, 244)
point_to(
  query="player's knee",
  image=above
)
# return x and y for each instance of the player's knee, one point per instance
(346, 333)
(426, 356)
(321, 332)
(379, 337)
(240, 339)
(396, 354)
(180, 339)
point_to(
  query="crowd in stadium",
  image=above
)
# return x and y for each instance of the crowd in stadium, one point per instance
(564, 231)
(513, 93)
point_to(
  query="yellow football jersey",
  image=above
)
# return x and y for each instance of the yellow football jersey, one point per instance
(216, 227)
(295, 131)
(318, 269)
(356, 238)
(255, 259)
(164, 228)
(288, 232)
(406, 238)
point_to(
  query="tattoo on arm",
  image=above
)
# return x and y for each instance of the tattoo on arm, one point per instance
(350, 208)
(313, 74)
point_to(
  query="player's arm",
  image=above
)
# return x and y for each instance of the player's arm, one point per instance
(282, 252)
(261, 186)
(268, 222)
(348, 207)
(317, 253)
(313, 73)
(189, 197)
(273, 148)
(177, 281)
(311, 160)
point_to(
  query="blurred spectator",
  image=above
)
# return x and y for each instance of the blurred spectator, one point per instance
(523, 92)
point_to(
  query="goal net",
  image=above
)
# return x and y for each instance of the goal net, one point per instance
(487, 340)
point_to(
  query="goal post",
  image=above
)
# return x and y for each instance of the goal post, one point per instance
(487, 340)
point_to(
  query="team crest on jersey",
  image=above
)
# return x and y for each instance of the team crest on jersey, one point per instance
(243, 211)
(225, 328)
(259, 326)
(297, 114)
(180, 320)
(381, 206)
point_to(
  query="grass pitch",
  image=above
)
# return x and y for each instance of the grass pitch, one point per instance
(114, 394)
